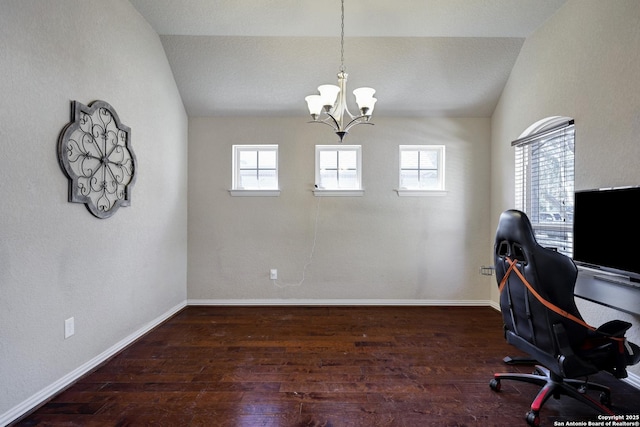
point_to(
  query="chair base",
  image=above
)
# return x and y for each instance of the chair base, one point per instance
(554, 385)
(508, 360)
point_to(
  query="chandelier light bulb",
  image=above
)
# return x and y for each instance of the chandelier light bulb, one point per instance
(314, 102)
(365, 100)
(329, 94)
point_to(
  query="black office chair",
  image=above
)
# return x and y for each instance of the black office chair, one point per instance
(541, 318)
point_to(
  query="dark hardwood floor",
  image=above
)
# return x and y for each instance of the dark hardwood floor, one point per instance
(315, 366)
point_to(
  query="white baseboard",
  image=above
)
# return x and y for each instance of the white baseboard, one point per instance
(336, 302)
(633, 380)
(59, 385)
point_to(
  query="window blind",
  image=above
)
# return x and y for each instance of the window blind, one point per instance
(544, 184)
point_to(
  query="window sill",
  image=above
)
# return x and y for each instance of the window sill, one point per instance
(403, 192)
(254, 193)
(337, 193)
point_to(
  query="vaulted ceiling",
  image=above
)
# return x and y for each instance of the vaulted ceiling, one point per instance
(424, 58)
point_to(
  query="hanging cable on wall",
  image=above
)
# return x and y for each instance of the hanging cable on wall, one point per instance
(311, 253)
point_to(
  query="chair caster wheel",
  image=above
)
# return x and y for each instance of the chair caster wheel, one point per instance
(494, 384)
(533, 419)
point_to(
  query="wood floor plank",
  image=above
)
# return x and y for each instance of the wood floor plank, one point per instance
(314, 366)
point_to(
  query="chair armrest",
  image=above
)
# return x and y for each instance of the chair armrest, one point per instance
(614, 328)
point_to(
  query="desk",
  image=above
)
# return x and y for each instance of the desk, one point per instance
(614, 295)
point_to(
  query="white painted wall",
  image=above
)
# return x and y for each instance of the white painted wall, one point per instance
(583, 63)
(57, 260)
(376, 247)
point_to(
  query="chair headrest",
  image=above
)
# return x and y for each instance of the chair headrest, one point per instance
(514, 236)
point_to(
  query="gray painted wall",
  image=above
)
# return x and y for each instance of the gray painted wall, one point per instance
(583, 63)
(56, 260)
(375, 247)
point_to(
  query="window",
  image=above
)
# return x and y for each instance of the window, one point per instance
(338, 170)
(421, 169)
(255, 170)
(545, 184)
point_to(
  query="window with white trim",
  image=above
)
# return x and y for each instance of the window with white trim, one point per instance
(421, 168)
(544, 184)
(255, 168)
(339, 167)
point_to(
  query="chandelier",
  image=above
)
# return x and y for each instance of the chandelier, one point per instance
(332, 100)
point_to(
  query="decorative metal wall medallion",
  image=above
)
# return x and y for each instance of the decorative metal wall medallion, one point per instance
(95, 153)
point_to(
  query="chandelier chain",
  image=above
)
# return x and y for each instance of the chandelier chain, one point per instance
(342, 67)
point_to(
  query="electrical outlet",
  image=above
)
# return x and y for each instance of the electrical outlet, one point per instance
(69, 327)
(487, 270)
(273, 274)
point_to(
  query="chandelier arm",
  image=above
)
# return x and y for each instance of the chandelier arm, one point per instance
(357, 121)
(325, 122)
(336, 123)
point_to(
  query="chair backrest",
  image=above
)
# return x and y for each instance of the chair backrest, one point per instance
(551, 274)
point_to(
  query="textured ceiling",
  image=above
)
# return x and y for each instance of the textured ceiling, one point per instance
(424, 58)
